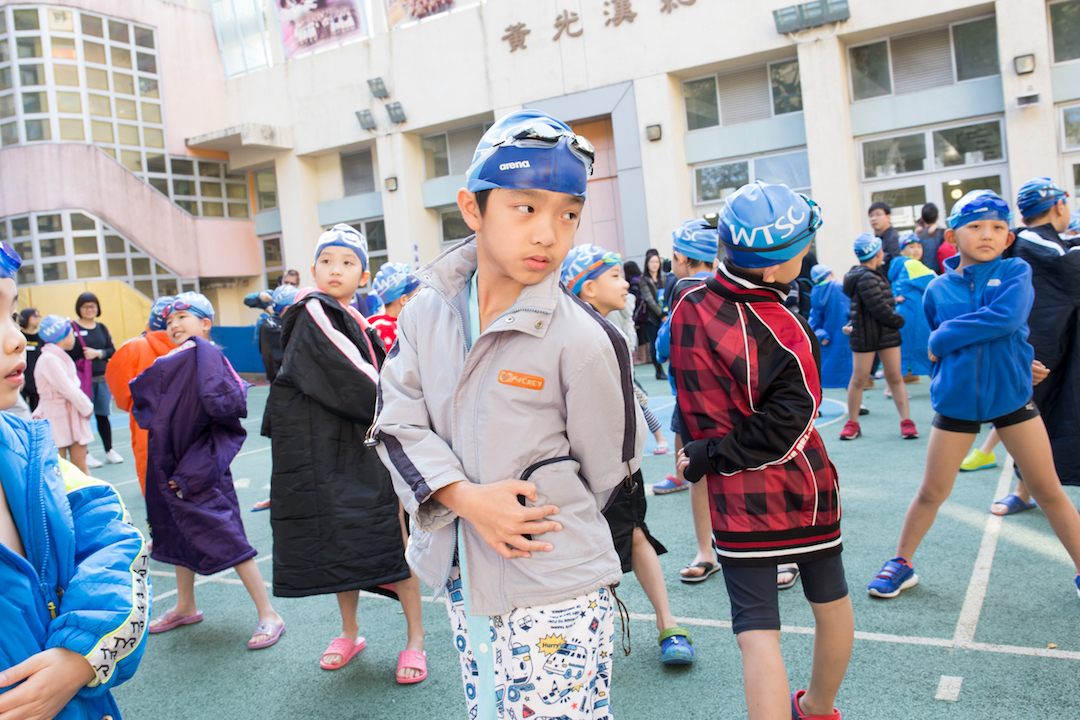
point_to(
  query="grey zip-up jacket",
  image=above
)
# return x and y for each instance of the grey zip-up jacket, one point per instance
(544, 395)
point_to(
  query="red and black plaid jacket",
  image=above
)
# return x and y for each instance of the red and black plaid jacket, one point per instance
(748, 377)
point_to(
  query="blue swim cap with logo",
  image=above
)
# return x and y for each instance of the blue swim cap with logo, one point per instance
(531, 150)
(762, 225)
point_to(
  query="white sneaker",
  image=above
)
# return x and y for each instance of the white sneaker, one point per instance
(92, 462)
(112, 457)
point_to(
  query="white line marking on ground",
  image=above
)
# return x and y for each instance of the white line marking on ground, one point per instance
(949, 688)
(980, 575)
(242, 482)
(249, 452)
(126, 482)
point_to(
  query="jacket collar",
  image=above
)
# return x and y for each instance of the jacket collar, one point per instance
(744, 286)
(976, 273)
(450, 273)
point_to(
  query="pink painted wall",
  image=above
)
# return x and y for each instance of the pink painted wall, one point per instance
(58, 176)
(189, 64)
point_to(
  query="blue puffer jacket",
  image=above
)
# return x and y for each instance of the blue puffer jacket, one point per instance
(84, 583)
(978, 323)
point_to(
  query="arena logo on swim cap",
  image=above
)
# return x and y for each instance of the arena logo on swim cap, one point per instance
(745, 236)
(516, 165)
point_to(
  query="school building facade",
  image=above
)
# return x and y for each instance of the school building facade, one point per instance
(150, 146)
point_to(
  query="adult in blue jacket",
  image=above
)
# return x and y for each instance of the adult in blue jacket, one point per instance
(830, 311)
(910, 278)
(82, 586)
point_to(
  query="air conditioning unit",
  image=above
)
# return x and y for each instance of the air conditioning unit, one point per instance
(1025, 100)
(810, 15)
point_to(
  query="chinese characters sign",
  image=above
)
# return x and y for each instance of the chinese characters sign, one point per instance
(567, 22)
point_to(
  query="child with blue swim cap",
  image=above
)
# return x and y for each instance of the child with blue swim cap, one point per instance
(910, 277)
(64, 535)
(978, 311)
(507, 417)
(747, 375)
(61, 399)
(595, 275)
(830, 311)
(394, 284)
(1054, 324)
(875, 330)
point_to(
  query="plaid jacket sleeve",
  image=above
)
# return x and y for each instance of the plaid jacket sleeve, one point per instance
(784, 397)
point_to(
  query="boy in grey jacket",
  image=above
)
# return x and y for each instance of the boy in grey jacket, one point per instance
(505, 436)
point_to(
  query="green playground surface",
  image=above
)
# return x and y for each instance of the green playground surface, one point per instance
(991, 631)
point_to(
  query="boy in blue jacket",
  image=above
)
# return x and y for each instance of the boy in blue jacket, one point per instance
(910, 277)
(830, 311)
(73, 570)
(978, 312)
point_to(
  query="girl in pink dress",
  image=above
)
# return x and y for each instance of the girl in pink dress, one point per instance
(62, 401)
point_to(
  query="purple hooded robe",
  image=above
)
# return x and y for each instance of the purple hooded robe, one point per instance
(191, 401)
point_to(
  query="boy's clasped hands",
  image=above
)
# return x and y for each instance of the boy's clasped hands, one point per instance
(500, 518)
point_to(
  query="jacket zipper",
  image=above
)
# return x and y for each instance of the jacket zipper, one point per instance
(978, 363)
(36, 473)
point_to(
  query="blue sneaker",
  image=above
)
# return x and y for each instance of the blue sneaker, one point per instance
(675, 647)
(669, 485)
(895, 575)
(1077, 581)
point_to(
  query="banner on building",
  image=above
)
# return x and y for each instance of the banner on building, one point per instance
(308, 25)
(399, 12)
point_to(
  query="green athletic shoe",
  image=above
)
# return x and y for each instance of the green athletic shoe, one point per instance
(978, 460)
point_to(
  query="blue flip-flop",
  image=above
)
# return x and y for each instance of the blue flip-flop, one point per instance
(675, 647)
(1013, 503)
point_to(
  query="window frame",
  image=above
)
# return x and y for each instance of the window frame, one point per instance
(441, 211)
(952, 48)
(1050, 30)
(851, 76)
(716, 84)
(1062, 135)
(709, 206)
(928, 134)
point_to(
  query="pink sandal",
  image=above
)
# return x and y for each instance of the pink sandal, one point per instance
(344, 648)
(172, 619)
(414, 660)
(273, 632)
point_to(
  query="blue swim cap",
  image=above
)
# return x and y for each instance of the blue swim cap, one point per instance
(763, 225)
(819, 272)
(866, 246)
(157, 312)
(282, 297)
(908, 238)
(346, 236)
(696, 239)
(979, 205)
(10, 262)
(1074, 222)
(530, 150)
(192, 302)
(1038, 195)
(586, 262)
(393, 281)
(54, 328)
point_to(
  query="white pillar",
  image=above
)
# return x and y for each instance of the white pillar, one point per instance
(298, 200)
(408, 222)
(1030, 132)
(834, 175)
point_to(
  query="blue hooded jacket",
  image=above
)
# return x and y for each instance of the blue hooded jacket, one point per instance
(910, 278)
(830, 311)
(978, 323)
(84, 584)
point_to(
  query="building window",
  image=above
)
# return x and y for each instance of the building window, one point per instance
(1065, 29)
(786, 87)
(201, 187)
(358, 172)
(925, 59)
(73, 244)
(266, 189)
(975, 49)
(744, 95)
(956, 146)
(273, 260)
(452, 227)
(450, 153)
(713, 183)
(375, 232)
(871, 75)
(1071, 118)
(241, 35)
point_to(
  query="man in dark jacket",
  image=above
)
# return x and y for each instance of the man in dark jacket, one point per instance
(875, 328)
(1054, 321)
(881, 220)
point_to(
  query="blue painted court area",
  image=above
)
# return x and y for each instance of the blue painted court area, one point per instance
(991, 631)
